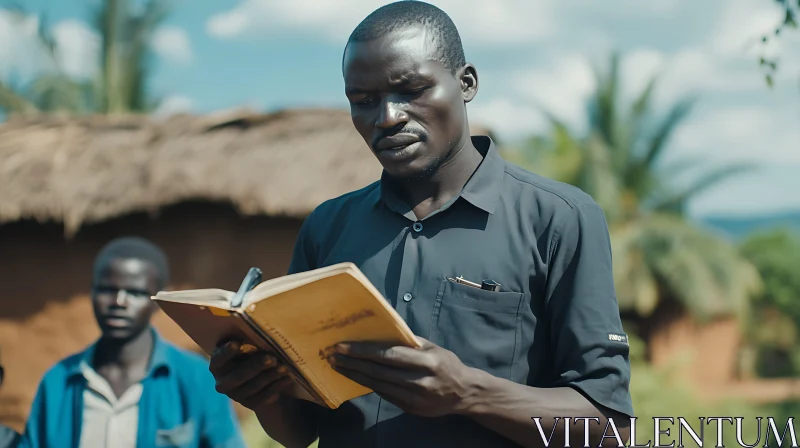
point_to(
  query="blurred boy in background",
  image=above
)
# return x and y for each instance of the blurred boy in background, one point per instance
(8, 437)
(130, 388)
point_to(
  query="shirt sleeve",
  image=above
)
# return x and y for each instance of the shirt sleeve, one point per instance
(590, 349)
(221, 427)
(34, 434)
(305, 250)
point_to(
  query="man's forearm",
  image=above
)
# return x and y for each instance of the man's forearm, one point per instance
(290, 422)
(508, 408)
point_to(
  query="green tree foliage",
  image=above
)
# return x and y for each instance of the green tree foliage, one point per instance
(791, 9)
(125, 66)
(775, 321)
(657, 252)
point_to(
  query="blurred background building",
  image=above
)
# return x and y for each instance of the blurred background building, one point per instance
(213, 129)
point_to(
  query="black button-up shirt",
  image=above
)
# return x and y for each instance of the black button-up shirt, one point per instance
(554, 322)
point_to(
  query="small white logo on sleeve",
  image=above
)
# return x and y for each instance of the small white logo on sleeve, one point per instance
(618, 338)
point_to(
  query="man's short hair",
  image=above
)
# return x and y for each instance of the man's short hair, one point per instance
(406, 13)
(134, 247)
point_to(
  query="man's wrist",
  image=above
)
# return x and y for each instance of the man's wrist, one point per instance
(266, 407)
(479, 393)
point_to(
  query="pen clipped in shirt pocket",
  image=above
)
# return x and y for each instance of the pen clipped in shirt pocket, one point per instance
(481, 327)
(473, 296)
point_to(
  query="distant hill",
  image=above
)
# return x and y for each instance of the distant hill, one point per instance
(739, 227)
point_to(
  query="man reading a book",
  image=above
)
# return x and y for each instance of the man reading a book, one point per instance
(130, 388)
(505, 276)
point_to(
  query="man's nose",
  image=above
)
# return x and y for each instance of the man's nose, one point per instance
(391, 115)
(122, 297)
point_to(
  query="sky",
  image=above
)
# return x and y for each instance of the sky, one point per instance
(529, 54)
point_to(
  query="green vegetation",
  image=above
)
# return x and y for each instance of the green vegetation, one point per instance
(658, 254)
(791, 9)
(121, 82)
(775, 321)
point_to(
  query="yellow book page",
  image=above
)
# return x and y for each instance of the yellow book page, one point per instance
(309, 319)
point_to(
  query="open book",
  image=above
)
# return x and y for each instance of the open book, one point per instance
(298, 317)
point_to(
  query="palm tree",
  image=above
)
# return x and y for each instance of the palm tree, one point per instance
(657, 252)
(121, 83)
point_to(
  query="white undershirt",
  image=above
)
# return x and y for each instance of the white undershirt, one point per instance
(108, 421)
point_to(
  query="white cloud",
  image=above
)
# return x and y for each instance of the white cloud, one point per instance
(765, 190)
(741, 25)
(499, 21)
(695, 70)
(562, 89)
(744, 134)
(638, 8)
(78, 48)
(507, 117)
(638, 67)
(21, 52)
(172, 43)
(173, 105)
(229, 24)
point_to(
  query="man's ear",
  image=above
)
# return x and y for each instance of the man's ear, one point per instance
(468, 76)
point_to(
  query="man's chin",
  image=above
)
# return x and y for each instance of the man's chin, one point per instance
(411, 171)
(120, 333)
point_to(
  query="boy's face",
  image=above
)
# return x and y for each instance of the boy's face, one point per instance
(121, 297)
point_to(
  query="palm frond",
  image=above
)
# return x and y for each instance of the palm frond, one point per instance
(641, 106)
(597, 176)
(59, 93)
(635, 285)
(107, 24)
(678, 200)
(140, 30)
(699, 269)
(12, 102)
(665, 130)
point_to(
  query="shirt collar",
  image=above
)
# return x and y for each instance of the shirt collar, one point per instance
(159, 359)
(482, 190)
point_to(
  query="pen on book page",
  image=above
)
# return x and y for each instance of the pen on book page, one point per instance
(250, 281)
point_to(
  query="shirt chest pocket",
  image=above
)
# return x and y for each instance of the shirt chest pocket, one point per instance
(178, 436)
(481, 327)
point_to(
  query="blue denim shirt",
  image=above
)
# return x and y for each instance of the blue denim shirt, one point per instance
(179, 406)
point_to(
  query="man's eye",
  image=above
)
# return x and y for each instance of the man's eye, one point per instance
(362, 102)
(105, 290)
(138, 294)
(417, 92)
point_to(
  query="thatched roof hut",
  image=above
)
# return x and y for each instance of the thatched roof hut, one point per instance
(83, 170)
(224, 192)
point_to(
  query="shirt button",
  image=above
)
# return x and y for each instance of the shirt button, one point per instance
(417, 226)
(407, 297)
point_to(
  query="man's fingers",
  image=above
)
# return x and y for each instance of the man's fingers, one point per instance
(225, 353)
(382, 388)
(397, 356)
(389, 374)
(271, 393)
(244, 371)
(426, 344)
(259, 382)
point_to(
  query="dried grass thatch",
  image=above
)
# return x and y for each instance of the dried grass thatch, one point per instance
(79, 170)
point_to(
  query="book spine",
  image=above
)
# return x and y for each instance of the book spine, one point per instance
(291, 358)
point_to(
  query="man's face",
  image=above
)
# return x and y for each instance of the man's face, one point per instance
(121, 297)
(406, 105)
